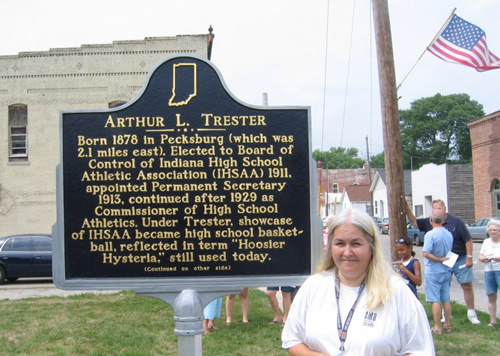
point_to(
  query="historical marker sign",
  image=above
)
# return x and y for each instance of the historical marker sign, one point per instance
(183, 183)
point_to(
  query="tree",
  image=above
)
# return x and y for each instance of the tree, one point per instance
(339, 157)
(377, 161)
(434, 129)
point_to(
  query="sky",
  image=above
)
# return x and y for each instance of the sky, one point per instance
(315, 53)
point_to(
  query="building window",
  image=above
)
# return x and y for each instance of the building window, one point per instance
(419, 211)
(496, 197)
(376, 208)
(18, 132)
(335, 187)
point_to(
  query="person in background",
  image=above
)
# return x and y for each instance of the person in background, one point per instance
(286, 293)
(211, 311)
(356, 293)
(244, 300)
(462, 246)
(437, 245)
(490, 256)
(408, 266)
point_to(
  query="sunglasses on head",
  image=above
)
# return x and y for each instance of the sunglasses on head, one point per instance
(401, 241)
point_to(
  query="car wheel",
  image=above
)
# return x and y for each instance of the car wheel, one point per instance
(2, 275)
(418, 242)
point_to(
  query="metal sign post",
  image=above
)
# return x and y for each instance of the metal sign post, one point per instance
(188, 308)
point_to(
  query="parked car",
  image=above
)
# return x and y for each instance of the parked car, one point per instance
(25, 256)
(415, 234)
(478, 230)
(383, 226)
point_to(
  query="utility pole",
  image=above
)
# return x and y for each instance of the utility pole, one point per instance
(390, 118)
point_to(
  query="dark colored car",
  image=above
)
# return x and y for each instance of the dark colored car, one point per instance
(415, 234)
(25, 256)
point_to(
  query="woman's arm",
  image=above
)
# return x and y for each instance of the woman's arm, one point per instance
(303, 350)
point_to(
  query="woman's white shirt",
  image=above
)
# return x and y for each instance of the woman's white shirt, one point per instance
(399, 327)
(490, 249)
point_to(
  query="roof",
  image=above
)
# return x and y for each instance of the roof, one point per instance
(358, 193)
(406, 179)
(493, 116)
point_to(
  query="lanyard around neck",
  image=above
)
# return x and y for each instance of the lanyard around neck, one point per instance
(342, 330)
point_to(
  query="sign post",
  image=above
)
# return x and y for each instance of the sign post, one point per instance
(185, 194)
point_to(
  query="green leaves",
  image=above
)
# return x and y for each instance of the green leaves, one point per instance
(339, 158)
(434, 129)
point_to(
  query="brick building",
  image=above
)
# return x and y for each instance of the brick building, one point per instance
(35, 86)
(332, 184)
(485, 141)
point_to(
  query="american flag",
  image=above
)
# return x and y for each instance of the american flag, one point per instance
(464, 43)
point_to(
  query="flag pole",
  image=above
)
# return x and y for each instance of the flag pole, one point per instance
(430, 43)
(440, 31)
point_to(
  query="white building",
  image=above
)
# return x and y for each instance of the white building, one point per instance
(429, 183)
(378, 190)
(356, 197)
(451, 183)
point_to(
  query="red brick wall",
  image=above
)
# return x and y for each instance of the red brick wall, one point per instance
(485, 140)
(343, 177)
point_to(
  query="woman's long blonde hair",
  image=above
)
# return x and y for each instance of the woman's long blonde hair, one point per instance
(379, 270)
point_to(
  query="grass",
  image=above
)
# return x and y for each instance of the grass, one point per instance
(125, 324)
(465, 338)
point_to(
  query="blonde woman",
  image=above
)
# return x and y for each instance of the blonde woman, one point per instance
(490, 256)
(355, 303)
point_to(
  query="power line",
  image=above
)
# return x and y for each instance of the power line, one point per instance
(326, 68)
(348, 72)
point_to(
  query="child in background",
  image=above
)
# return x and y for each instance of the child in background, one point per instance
(408, 266)
(211, 311)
